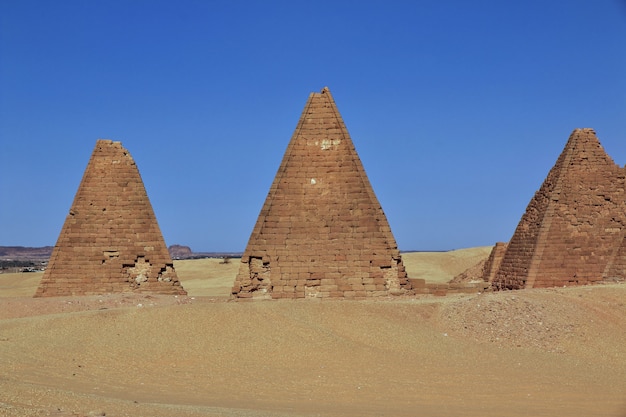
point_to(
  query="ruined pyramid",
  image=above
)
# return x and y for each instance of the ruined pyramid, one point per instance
(573, 230)
(110, 241)
(321, 232)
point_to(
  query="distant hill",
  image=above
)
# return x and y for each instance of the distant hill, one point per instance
(185, 252)
(25, 253)
(179, 252)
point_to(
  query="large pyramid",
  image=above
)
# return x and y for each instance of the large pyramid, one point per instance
(321, 232)
(573, 230)
(111, 241)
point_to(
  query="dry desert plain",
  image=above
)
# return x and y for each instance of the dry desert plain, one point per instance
(552, 352)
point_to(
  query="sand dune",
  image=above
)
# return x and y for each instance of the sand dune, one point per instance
(557, 352)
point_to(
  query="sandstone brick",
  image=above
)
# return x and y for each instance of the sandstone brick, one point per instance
(417, 282)
(247, 295)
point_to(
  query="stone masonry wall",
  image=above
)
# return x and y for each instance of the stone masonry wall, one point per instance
(321, 232)
(494, 261)
(110, 241)
(573, 230)
(616, 268)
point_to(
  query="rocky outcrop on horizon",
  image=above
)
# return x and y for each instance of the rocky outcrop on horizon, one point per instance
(180, 252)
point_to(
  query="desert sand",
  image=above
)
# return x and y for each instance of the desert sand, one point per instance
(550, 352)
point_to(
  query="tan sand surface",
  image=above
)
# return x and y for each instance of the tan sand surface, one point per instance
(553, 352)
(440, 267)
(19, 284)
(207, 277)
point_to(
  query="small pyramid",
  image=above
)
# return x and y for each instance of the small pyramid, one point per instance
(321, 232)
(572, 232)
(110, 241)
(492, 263)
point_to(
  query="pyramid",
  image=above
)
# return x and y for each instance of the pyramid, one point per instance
(493, 261)
(110, 241)
(321, 232)
(573, 230)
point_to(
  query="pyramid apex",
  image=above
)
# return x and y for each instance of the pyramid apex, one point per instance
(108, 142)
(584, 142)
(584, 130)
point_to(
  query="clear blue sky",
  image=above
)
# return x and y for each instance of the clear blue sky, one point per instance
(458, 109)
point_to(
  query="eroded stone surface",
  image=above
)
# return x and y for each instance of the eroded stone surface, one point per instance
(111, 241)
(321, 232)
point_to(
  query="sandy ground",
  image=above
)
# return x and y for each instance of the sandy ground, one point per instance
(554, 352)
(440, 267)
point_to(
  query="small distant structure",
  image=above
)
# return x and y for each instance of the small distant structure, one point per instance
(574, 229)
(321, 232)
(110, 241)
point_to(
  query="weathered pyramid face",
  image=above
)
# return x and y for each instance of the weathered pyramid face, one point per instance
(321, 231)
(110, 241)
(574, 226)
